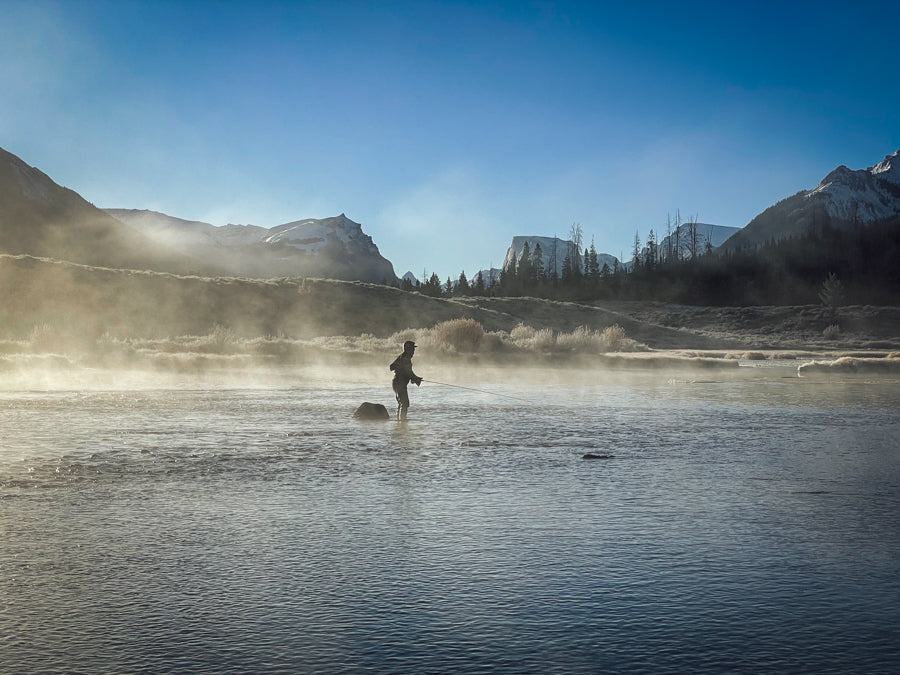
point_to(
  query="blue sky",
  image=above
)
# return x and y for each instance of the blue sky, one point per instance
(446, 128)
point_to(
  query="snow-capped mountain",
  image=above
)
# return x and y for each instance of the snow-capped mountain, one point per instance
(314, 235)
(333, 247)
(844, 198)
(553, 252)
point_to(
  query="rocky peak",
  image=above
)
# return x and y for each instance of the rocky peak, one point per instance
(888, 169)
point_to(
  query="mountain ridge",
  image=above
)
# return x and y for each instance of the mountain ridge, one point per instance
(843, 198)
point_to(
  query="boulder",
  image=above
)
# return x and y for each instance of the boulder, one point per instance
(372, 411)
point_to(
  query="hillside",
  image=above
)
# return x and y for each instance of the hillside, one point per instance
(90, 301)
(39, 217)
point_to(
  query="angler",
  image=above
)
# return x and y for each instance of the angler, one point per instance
(403, 375)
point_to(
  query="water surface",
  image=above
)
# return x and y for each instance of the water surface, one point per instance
(745, 524)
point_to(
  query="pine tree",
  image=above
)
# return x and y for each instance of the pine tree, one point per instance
(525, 271)
(593, 264)
(553, 266)
(478, 287)
(566, 276)
(433, 286)
(636, 252)
(448, 288)
(508, 276)
(537, 264)
(462, 285)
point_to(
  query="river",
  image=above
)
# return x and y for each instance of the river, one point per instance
(743, 524)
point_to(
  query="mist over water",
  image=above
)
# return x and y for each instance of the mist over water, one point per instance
(745, 523)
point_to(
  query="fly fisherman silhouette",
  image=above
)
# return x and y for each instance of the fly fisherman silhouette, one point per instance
(403, 375)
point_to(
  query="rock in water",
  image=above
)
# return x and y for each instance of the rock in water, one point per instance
(591, 455)
(371, 411)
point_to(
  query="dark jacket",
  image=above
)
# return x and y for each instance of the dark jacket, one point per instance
(403, 372)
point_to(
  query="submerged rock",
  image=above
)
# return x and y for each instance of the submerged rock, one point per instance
(591, 455)
(372, 411)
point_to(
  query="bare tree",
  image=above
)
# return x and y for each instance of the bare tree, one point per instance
(553, 272)
(576, 236)
(678, 242)
(693, 235)
(668, 250)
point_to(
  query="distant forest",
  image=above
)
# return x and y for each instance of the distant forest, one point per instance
(865, 259)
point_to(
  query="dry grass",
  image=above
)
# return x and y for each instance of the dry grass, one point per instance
(222, 348)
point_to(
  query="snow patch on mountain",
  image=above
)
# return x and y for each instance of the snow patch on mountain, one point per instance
(311, 235)
(863, 195)
(889, 168)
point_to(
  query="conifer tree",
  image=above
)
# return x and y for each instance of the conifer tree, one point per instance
(537, 264)
(593, 263)
(524, 270)
(636, 252)
(433, 286)
(478, 287)
(508, 276)
(448, 288)
(566, 276)
(462, 285)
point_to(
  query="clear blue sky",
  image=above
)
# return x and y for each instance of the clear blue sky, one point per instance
(446, 128)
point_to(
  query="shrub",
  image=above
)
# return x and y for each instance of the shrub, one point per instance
(461, 335)
(532, 339)
(582, 339)
(612, 339)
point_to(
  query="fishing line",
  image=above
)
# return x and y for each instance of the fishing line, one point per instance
(480, 391)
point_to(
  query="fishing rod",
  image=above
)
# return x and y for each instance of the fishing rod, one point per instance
(480, 391)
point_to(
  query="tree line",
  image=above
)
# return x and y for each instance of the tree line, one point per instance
(683, 267)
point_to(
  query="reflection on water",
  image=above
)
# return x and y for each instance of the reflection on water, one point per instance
(743, 525)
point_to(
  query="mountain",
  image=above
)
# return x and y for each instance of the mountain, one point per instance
(551, 248)
(411, 278)
(41, 218)
(845, 198)
(333, 247)
(179, 232)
